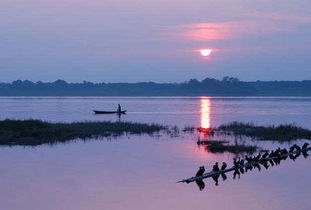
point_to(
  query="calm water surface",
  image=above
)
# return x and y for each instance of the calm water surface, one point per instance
(140, 172)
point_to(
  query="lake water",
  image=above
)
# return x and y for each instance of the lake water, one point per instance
(140, 172)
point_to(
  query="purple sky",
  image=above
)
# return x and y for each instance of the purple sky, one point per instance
(155, 40)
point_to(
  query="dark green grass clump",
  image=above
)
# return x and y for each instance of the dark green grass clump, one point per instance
(279, 133)
(36, 132)
(223, 146)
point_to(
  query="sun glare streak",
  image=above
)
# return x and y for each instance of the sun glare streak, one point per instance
(205, 113)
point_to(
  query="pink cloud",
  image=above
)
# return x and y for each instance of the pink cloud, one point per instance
(221, 30)
(207, 31)
(256, 23)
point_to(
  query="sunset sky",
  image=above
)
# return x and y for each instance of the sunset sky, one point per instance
(154, 40)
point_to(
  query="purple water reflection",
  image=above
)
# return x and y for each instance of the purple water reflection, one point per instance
(140, 172)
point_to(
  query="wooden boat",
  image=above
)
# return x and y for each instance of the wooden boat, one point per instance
(109, 112)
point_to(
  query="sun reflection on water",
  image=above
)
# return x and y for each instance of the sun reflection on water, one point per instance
(205, 126)
(205, 113)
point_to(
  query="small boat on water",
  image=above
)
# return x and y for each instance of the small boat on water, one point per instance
(109, 112)
(119, 111)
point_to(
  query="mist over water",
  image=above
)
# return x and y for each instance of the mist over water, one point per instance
(140, 172)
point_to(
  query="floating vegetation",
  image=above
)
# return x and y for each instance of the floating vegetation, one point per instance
(278, 133)
(36, 132)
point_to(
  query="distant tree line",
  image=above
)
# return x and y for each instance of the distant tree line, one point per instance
(228, 86)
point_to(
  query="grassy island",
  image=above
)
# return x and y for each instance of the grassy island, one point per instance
(37, 132)
(278, 133)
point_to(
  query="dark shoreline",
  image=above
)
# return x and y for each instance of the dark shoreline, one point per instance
(228, 86)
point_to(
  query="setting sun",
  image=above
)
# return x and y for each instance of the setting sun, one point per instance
(205, 52)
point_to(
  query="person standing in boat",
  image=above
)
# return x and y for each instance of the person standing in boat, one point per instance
(119, 108)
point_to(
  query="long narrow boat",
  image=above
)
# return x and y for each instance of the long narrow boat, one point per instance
(109, 112)
(212, 173)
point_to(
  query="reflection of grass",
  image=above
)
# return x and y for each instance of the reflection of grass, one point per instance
(223, 146)
(279, 133)
(36, 132)
(209, 142)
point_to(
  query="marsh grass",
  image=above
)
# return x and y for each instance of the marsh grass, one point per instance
(36, 132)
(279, 133)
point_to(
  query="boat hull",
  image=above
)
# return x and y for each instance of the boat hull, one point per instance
(108, 112)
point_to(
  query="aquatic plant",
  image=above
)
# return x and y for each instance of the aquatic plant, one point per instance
(285, 132)
(36, 132)
(189, 129)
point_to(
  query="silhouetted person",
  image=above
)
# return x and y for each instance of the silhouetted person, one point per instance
(256, 165)
(119, 108)
(278, 150)
(284, 157)
(305, 154)
(235, 163)
(248, 167)
(298, 148)
(224, 166)
(305, 146)
(292, 157)
(267, 159)
(257, 158)
(236, 172)
(215, 167)
(200, 184)
(298, 154)
(215, 178)
(284, 152)
(271, 155)
(262, 161)
(266, 165)
(278, 155)
(223, 176)
(277, 161)
(200, 171)
(265, 155)
(291, 149)
(271, 162)
(248, 159)
(241, 162)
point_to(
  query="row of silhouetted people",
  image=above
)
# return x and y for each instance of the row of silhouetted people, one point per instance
(240, 166)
